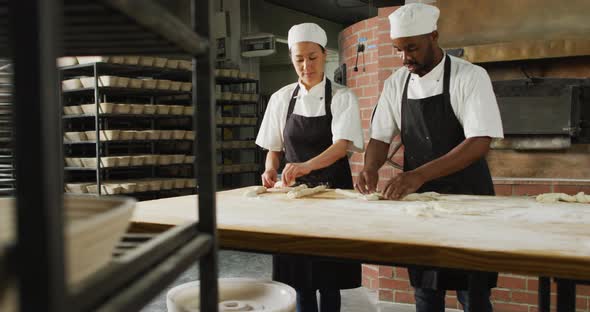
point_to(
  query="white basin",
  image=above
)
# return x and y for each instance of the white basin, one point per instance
(235, 294)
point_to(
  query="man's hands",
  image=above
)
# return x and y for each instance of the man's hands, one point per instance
(367, 181)
(396, 188)
(403, 184)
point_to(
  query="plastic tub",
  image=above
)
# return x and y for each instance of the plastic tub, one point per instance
(71, 84)
(163, 84)
(175, 85)
(235, 294)
(172, 64)
(163, 109)
(186, 86)
(137, 109)
(67, 61)
(131, 60)
(92, 59)
(160, 62)
(75, 136)
(148, 83)
(178, 134)
(146, 61)
(135, 83)
(150, 109)
(185, 65)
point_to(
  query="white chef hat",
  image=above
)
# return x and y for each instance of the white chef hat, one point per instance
(307, 32)
(413, 19)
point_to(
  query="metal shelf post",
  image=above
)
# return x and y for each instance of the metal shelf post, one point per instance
(39, 162)
(204, 121)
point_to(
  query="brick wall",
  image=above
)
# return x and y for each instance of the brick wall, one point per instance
(515, 293)
(367, 82)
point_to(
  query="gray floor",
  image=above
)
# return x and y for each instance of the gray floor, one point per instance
(241, 264)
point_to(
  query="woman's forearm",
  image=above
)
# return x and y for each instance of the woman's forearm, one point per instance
(329, 156)
(272, 160)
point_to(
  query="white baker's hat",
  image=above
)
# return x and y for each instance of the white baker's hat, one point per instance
(307, 32)
(413, 19)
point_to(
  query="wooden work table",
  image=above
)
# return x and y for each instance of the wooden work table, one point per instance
(505, 234)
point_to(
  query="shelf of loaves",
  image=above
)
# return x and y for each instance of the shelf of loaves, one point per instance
(148, 84)
(130, 186)
(128, 135)
(236, 97)
(238, 168)
(154, 63)
(114, 109)
(144, 61)
(128, 161)
(232, 73)
(241, 144)
(237, 121)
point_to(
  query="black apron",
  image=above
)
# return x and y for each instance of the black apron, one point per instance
(430, 130)
(305, 138)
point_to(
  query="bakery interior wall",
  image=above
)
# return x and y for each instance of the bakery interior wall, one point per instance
(551, 43)
(243, 17)
(276, 70)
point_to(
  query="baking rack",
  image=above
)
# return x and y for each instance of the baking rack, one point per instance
(33, 34)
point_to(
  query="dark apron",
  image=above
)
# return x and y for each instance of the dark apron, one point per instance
(305, 138)
(430, 130)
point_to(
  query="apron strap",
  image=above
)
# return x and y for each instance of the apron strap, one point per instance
(292, 101)
(447, 79)
(403, 105)
(328, 99)
(327, 102)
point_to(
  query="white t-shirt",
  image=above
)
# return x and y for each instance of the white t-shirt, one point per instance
(346, 120)
(472, 98)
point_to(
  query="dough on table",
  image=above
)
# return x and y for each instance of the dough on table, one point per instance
(556, 197)
(286, 189)
(351, 194)
(306, 192)
(255, 191)
(279, 184)
(426, 196)
(582, 198)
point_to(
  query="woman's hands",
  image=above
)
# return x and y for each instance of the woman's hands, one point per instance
(293, 171)
(269, 178)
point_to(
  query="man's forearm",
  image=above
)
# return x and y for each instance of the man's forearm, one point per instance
(457, 159)
(375, 155)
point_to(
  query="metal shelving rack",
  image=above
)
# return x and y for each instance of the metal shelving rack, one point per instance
(102, 120)
(232, 108)
(40, 31)
(7, 181)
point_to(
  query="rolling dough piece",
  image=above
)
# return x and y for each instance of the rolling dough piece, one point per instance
(426, 196)
(582, 198)
(351, 194)
(556, 197)
(279, 184)
(306, 192)
(255, 191)
(286, 189)
(372, 197)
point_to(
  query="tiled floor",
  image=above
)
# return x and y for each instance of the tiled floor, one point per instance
(241, 264)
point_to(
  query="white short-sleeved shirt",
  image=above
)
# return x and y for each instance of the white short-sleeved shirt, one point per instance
(346, 120)
(472, 98)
